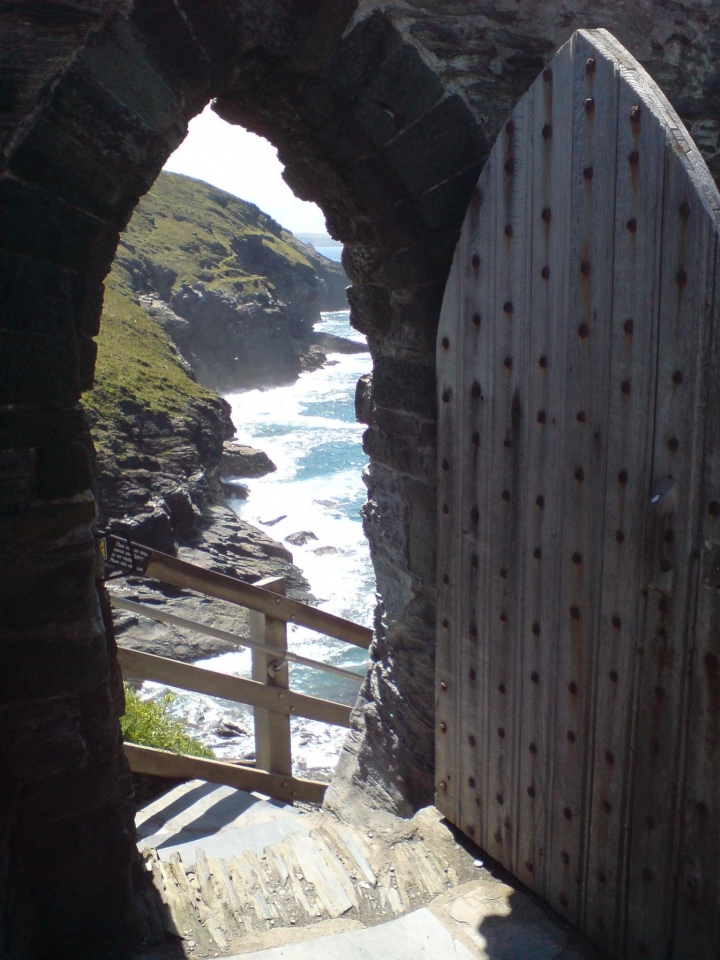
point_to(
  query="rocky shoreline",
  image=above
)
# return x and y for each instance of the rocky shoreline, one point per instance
(221, 542)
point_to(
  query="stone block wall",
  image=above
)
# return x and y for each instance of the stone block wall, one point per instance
(383, 112)
(86, 121)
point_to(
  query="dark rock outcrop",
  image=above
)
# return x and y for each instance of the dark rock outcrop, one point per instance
(242, 461)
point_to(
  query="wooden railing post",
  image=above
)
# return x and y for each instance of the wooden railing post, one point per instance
(272, 730)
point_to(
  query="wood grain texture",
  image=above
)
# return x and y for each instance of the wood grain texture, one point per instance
(580, 552)
(180, 573)
(186, 676)
(273, 749)
(163, 763)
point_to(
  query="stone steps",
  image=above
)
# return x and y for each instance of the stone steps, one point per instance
(228, 867)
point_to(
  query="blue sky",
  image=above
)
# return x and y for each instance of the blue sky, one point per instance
(246, 165)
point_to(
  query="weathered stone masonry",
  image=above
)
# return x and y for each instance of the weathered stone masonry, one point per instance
(383, 113)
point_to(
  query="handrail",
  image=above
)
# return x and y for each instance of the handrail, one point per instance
(180, 573)
(148, 666)
(122, 603)
(273, 703)
(165, 764)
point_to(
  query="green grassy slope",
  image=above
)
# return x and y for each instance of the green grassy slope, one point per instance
(185, 231)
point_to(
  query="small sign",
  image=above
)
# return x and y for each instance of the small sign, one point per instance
(122, 556)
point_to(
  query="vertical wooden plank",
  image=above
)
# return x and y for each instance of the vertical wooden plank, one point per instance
(273, 750)
(697, 919)
(450, 632)
(586, 328)
(504, 481)
(637, 242)
(670, 570)
(548, 261)
(476, 386)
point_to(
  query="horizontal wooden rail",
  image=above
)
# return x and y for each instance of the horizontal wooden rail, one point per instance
(143, 610)
(147, 666)
(163, 763)
(180, 573)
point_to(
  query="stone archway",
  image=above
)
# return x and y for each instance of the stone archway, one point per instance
(382, 112)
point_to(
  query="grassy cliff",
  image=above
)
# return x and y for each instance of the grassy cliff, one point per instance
(205, 288)
(186, 232)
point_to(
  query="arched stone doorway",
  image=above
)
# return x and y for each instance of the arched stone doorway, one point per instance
(382, 113)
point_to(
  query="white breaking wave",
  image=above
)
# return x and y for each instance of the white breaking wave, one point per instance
(309, 431)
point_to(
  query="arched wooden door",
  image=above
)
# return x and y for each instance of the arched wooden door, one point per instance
(578, 683)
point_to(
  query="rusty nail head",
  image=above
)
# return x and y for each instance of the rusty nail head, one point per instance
(588, 173)
(443, 686)
(589, 105)
(443, 786)
(635, 113)
(443, 727)
(547, 131)
(590, 65)
(634, 158)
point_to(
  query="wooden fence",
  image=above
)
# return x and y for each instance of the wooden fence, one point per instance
(268, 692)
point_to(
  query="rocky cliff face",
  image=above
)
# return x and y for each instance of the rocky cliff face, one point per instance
(236, 292)
(161, 447)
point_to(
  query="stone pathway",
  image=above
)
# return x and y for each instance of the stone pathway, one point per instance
(236, 875)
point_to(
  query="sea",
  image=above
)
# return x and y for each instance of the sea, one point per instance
(309, 431)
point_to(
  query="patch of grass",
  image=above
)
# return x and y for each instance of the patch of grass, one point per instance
(148, 722)
(196, 232)
(137, 369)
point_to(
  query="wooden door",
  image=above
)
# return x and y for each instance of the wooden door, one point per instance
(578, 666)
